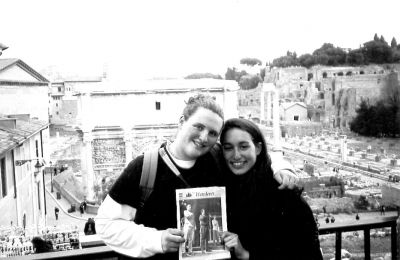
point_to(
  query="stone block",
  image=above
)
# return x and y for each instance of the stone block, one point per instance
(364, 155)
(351, 153)
(378, 158)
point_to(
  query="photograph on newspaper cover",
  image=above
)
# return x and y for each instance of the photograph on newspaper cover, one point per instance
(201, 214)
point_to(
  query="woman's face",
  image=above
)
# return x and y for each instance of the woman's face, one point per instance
(197, 134)
(239, 151)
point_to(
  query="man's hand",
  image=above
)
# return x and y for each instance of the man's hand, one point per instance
(171, 239)
(286, 178)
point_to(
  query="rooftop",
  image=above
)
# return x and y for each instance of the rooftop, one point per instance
(14, 135)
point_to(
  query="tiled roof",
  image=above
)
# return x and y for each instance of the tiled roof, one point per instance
(10, 138)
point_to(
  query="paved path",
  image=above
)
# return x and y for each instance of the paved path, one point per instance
(64, 218)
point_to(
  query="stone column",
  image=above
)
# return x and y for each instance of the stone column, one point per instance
(269, 107)
(276, 126)
(87, 165)
(262, 106)
(268, 88)
(343, 148)
(86, 154)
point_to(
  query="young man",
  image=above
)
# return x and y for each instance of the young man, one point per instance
(189, 226)
(203, 220)
(155, 234)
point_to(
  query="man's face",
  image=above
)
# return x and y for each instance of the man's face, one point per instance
(189, 207)
(197, 134)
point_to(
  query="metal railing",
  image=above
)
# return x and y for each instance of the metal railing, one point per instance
(98, 250)
(366, 226)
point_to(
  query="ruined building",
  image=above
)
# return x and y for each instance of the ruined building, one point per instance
(331, 94)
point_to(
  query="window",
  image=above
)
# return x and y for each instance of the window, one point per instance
(57, 112)
(296, 118)
(158, 105)
(59, 89)
(3, 177)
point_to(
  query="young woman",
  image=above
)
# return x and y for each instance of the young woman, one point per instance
(264, 222)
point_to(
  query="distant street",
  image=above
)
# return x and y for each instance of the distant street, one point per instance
(64, 218)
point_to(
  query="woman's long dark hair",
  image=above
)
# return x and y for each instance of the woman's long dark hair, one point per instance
(249, 196)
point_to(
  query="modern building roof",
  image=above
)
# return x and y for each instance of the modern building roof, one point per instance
(8, 63)
(11, 137)
(168, 85)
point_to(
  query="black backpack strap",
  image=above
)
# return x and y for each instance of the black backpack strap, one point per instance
(147, 178)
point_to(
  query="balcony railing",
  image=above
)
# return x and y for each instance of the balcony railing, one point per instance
(366, 226)
(97, 249)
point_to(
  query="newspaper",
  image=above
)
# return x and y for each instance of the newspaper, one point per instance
(201, 214)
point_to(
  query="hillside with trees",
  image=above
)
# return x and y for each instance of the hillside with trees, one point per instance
(376, 51)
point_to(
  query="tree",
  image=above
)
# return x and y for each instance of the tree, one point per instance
(330, 54)
(203, 76)
(233, 74)
(249, 81)
(393, 43)
(382, 39)
(262, 73)
(376, 120)
(250, 61)
(361, 121)
(377, 52)
(361, 203)
(376, 38)
(307, 60)
(355, 57)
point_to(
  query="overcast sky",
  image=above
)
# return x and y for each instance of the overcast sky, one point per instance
(175, 38)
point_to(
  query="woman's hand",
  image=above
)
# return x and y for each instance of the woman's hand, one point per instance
(286, 178)
(232, 242)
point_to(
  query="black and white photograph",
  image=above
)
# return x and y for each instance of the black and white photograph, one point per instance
(108, 107)
(202, 217)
